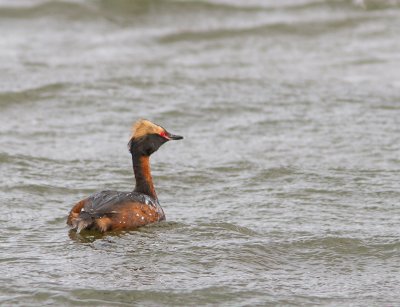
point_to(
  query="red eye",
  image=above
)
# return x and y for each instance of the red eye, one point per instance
(164, 135)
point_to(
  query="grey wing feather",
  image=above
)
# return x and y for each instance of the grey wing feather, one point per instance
(106, 202)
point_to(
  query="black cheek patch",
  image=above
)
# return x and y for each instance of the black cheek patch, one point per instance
(147, 144)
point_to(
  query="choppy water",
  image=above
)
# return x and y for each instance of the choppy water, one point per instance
(284, 191)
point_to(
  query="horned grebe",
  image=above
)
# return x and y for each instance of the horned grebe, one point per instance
(114, 210)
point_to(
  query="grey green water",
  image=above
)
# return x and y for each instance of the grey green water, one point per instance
(285, 190)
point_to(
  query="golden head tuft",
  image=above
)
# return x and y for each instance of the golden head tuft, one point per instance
(144, 127)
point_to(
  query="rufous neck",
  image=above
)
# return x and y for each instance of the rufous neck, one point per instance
(144, 181)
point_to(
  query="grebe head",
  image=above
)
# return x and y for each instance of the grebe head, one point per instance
(147, 137)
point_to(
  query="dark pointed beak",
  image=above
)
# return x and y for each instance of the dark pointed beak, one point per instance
(174, 137)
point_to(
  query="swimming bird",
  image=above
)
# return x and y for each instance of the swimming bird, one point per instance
(115, 210)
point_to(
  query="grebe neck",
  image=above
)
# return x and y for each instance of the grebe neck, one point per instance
(144, 181)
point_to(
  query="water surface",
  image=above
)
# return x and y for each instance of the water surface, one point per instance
(285, 190)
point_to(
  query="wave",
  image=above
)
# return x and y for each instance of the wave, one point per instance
(31, 94)
(308, 28)
(85, 10)
(70, 9)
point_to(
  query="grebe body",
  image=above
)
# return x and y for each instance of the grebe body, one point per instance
(115, 210)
